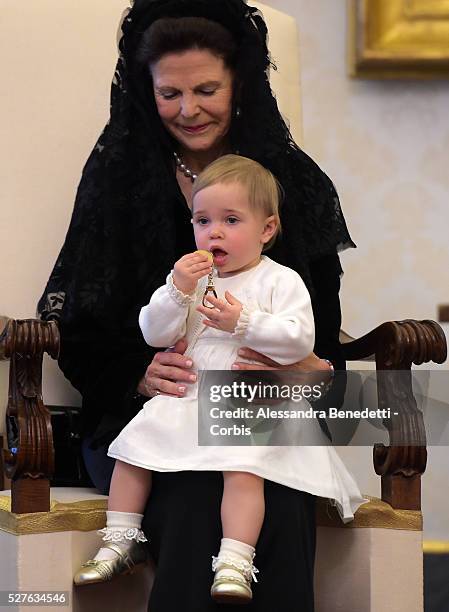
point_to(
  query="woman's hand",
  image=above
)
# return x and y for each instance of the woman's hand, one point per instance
(189, 269)
(318, 371)
(311, 363)
(168, 372)
(322, 367)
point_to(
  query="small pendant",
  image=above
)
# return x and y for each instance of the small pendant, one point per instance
(209, 289)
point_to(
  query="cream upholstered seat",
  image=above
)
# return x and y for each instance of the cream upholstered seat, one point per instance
(283, 43)
(59, 107)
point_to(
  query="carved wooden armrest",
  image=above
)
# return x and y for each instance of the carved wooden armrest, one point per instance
(396, 345)
(29, 460)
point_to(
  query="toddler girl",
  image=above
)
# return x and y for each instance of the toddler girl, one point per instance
(259, 304)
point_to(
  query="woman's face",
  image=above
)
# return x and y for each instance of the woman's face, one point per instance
(193, 92)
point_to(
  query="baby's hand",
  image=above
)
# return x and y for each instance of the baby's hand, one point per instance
(225, 314)
(189, 269)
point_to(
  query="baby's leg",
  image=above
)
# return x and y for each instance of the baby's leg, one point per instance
(242, 515)
(242, 507)
(123, 536)
(130, 488)
(128, 494)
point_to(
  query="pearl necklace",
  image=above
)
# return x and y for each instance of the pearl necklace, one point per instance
(186, 171)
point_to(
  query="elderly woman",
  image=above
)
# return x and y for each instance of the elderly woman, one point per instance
(191, 84)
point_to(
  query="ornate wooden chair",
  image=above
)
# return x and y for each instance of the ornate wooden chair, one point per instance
(29, 458)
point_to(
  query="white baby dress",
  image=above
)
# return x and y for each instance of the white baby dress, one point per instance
(277, 321)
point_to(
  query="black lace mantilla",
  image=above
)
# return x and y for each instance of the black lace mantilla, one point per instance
(120, 242)
(129, 223)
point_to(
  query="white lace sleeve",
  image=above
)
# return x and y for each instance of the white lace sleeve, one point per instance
(178, 296)
(287, 333)
(243, 322)
(163, 320)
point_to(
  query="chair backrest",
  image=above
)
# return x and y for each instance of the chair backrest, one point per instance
(283, 43)
(59, 61)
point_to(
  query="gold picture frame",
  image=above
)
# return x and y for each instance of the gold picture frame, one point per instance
(398, 39)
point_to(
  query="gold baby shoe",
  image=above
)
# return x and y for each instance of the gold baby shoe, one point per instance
(230, 589)
(124, 562)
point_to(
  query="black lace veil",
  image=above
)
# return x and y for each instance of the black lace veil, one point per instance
(121, 239)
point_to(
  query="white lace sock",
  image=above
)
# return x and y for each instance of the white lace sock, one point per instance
(122, 528)
(235, 553)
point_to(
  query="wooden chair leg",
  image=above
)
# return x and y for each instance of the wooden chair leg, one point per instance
(402, 492)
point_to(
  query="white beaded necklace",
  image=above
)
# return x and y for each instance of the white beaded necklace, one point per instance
(186, 171)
